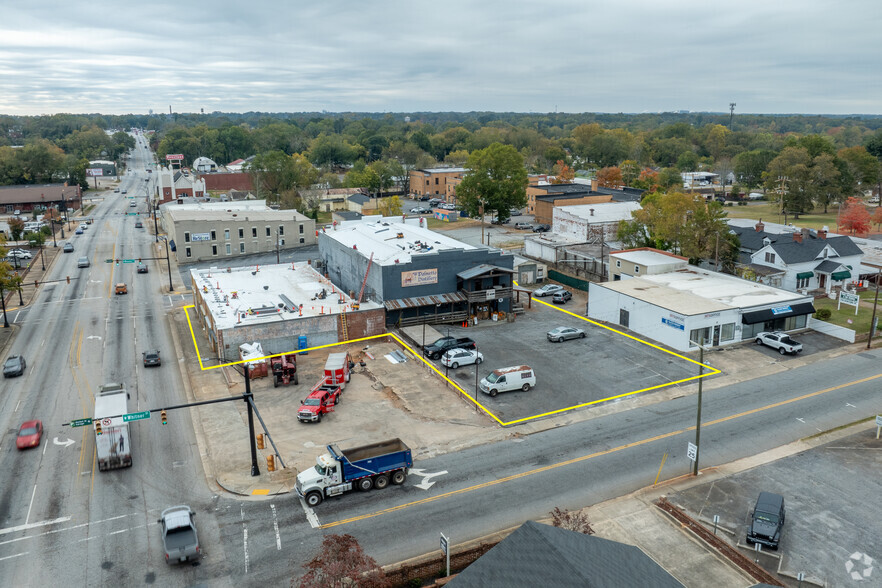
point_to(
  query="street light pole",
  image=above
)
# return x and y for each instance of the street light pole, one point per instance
(155, 225)
(42, 259)
(168, 261)
(255, 470)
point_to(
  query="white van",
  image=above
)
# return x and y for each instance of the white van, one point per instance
(519, 377)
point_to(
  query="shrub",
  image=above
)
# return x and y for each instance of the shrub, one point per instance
(823, 314)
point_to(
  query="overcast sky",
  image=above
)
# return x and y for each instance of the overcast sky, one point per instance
(767, 56)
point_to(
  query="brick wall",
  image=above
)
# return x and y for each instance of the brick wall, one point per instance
(228, 181)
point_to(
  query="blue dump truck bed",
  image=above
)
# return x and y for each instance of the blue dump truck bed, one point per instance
(372, 459)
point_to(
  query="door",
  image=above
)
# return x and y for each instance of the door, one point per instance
(624, 317)
(716, 338)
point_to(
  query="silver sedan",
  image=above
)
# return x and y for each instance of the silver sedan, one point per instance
(563, 333)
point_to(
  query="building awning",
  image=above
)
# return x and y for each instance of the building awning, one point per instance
(776, 312)
(843, 275)
(418, 301)
(804, 275)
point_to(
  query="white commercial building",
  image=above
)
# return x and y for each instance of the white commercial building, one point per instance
(685, 305)
(283, 307)
(594, 223)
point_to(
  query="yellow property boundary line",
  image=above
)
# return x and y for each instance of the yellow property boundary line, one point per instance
(711, 370)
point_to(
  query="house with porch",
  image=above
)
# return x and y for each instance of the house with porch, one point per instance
(800, 260)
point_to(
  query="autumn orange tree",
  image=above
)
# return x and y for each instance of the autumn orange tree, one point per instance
(609, 177)
(854, 218)
(563, 174)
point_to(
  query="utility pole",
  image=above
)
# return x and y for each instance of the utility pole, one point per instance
(873, 320)
(731, 114)
(255, 470)
(698, 417)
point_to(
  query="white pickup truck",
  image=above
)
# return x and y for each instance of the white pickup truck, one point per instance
(779, 340)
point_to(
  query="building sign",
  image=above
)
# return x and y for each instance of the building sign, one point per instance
(673, 324)
(711, 315)
(781, 310)
(94, 171)
(175, 157)
(200, 237)
(419, 277)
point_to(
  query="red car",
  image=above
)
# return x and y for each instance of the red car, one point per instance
(29, 435)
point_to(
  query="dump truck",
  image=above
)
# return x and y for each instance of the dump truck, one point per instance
(369, 466)
(112, 439)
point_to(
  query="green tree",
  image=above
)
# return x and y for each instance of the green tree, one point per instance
(496, 181)
(750, 165)
(390, 206)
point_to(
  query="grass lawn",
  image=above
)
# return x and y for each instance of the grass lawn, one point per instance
(771, 212)
(841, 317)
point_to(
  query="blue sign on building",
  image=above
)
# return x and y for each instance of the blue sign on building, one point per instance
(673, 324)
(781, 310)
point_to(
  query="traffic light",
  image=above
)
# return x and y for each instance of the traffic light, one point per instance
(270, 463)
(260, 441)
(36, 282)
(139, 260)
(164, 417)
(117, 262)
(68, 279)
(98, 428)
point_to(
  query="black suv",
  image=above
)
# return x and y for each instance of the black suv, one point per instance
(766, 520)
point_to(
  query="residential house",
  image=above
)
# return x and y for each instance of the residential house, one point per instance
(798, 261)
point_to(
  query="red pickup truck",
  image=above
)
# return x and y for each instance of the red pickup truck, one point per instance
(321, 400)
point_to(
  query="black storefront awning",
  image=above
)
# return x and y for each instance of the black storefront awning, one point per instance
(767, 314)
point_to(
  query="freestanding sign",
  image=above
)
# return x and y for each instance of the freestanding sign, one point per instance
(95, 171)
(175, 157)
(445, 548)
(849, 298)
(692, 451)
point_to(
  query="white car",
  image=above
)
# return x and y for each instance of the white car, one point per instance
(547, 290)
(457, 357)
(779, 340)
(20, 253)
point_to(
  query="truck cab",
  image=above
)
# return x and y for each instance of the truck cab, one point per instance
(320, 401)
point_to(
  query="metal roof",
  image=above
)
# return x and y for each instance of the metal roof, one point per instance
(481, 269)
(418, 301)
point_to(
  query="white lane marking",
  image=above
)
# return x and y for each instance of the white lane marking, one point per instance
(310, 515)
(34, 493)
(276, 527)
(99, 337)
(44, 448)
(15, 320)
(245, 545)
(800, 420)
(426, 484)
(27, 526)
(17, 404)
(67, 443)
(118, 532)
(849, 404)
(16, 555)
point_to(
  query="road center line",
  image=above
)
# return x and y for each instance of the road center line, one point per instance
(276, 527)
(592, 455)
(27, 526)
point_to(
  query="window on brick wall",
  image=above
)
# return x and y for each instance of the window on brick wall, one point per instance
(254, 232)
(214, 249)
(226, 234)
(241, 233)
(268, 233)
(281, 230)
(213, 236)
(188, 252)
(301, 229)
(241, 247)
(186, 237)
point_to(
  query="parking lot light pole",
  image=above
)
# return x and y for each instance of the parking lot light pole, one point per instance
(155, 225)
(873, 320)
(3, 302)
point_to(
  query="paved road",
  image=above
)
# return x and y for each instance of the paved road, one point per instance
(498, 486)
(59, 516)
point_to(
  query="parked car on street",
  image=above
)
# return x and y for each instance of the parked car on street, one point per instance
(561, 297)
(29, 435)
(19, 253)
(15, 366)
(523, 226)
(779, 340)
(559, 334)
(541, 228)
(457, 357)
(547, 290)
(180, 541)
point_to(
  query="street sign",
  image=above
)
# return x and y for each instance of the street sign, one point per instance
(443, 544)
(692, 451)
(879, 420)
(128, 261)
(136, 416)
(81, 422)
(108, 261)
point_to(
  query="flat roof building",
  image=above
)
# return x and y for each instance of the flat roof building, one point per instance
(689, 304)
(416, 272)
(227, 230)
(276, 305)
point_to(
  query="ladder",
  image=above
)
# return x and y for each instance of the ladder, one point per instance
(357, 304)
(345, 329)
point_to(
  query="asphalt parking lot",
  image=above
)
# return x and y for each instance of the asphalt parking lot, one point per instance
(834, 517)
(572, 373)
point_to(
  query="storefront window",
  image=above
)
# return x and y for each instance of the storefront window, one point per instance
(727, 332)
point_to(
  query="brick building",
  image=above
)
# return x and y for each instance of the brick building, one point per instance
(434, 181)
